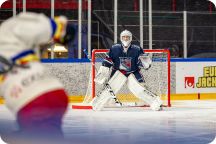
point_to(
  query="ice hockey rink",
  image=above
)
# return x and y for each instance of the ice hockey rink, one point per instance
(186, 122)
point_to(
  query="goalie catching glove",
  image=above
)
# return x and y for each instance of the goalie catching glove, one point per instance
(145, 62)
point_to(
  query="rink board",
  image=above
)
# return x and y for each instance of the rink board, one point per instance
(204, 96)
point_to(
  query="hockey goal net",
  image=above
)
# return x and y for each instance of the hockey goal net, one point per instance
(157, 79)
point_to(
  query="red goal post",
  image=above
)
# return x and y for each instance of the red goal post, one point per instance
(161, 56)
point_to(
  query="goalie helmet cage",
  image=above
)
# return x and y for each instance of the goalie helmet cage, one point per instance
(157, 79)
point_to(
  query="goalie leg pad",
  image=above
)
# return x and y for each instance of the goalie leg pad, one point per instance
(102, 98)
(111, 88)
(117, 81)
(144, 94)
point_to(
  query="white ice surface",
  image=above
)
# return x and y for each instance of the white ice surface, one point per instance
(186, 122)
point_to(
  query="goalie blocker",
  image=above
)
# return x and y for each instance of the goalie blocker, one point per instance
(116, 83)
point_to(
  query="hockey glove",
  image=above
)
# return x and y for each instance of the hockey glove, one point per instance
(145, 62)
(63, 31)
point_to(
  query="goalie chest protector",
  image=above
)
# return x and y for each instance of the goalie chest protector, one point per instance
(127, 61)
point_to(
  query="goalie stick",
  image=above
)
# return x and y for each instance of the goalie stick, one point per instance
(87, 55)
(107, 94)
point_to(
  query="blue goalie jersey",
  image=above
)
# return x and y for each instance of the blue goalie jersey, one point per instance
(126, 62)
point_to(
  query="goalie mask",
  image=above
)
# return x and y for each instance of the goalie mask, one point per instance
(126, 38)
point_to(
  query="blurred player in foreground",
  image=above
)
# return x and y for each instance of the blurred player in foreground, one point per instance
(125, 60)
(38, 100)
